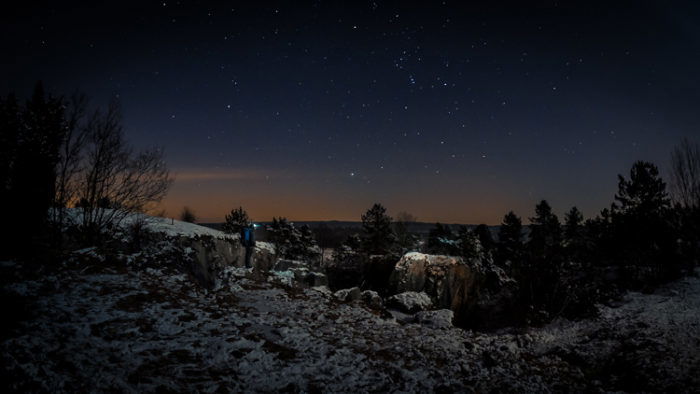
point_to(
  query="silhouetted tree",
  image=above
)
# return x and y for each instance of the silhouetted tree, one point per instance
(405, 240)
(377, 235)
(685, 174)
(510, 241)
(188, 215)
(130, 182)
(540, 276)
(645, 237)
(468, 244)
(685, 177)
(573, 233)
(236, 220)
(292, 243)
(545, 232)
(483, 232)
(31, 136)
(71, 160)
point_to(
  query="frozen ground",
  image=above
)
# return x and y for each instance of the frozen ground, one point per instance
(132, 329)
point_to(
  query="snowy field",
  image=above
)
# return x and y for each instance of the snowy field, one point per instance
(129, 329)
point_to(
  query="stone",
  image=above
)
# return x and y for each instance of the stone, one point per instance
(372, 299)
(438, 319)
(348, 295)
(410, 301)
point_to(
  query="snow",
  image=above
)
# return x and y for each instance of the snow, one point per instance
(116, 328)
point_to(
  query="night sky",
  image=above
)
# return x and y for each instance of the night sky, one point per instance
(315, 111)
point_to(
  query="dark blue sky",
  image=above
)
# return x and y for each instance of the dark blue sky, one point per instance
(315, 110)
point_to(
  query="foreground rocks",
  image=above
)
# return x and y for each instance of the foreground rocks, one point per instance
(98, 326)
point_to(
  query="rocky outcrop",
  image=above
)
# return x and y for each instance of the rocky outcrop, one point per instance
(451, 282)
(205, 256)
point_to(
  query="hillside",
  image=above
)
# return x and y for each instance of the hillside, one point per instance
(102, 325)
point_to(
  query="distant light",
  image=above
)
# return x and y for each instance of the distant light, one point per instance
(255, 225)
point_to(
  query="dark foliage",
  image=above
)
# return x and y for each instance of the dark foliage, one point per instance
(188, 215)
(439, 240)
(483, 233)
(643, 228)
(291, 242)
(236, 220)
(30, 139)
(377, 235)
(510, 242)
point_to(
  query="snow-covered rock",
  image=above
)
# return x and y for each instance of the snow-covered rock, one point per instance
(463, 286)
(441, 318)
(410, 301)
(111, 328)
(348, 295)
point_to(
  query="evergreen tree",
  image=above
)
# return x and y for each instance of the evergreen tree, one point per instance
(643, 230)
(483, 232)
(510, 240)
(31, 138)
(377, 235)
(188, 215)
(292, 243)
(236, 220)
(545, 232)
(310, 249)
(405, 240)
(468, 244)
(573, 233)
(644, 195)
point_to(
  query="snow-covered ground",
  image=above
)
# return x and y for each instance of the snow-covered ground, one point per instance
(130, 329)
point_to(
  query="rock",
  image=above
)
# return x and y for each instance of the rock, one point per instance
(315, 279)
(410, 301)
(347, 295)
(372, 299)
(440, 319)
(345, 272)
(466, 287)
(451, 282)
(286, 265)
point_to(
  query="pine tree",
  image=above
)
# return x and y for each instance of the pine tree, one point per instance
(236, 221)
(405, 240)
(469, 245)
(483, 232)
(377, 235)
(644, 234)
(545, 232)
(31, 137)
(574, 233)
(510, 239)
(644, 195)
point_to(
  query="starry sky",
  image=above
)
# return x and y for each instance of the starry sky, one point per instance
(315, 110)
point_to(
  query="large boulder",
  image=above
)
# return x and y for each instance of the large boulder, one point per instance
(449, 281)
(462, 286)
